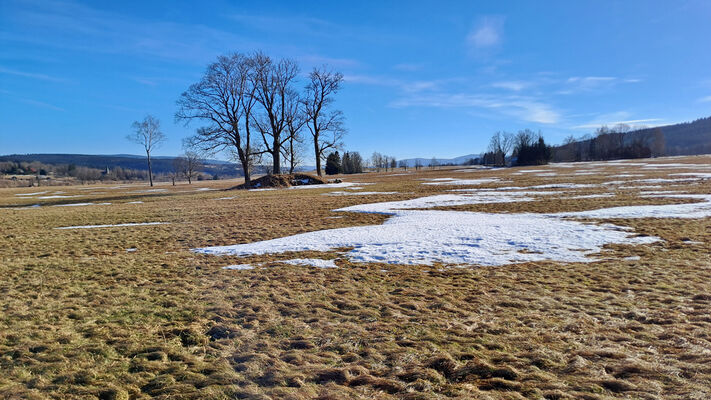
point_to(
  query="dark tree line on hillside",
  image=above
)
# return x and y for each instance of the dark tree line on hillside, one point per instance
(613, 143)
(81, 173)
(252, 108)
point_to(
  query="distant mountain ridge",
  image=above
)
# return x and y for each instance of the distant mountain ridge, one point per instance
(441, 161)
(160, 164)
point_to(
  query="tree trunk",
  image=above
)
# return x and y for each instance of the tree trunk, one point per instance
(276, 156)
(150, 171)
(190, 178)
(318, 156)
(292, 165)
(244, 159)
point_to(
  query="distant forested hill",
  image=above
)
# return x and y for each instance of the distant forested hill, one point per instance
(687, 138)
(159, 164)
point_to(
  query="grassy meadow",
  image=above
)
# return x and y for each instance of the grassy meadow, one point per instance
(130, 312)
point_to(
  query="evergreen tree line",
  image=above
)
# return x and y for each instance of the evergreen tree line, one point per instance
(351, 163)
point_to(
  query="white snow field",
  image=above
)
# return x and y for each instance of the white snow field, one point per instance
(423, 237)
(112, 225)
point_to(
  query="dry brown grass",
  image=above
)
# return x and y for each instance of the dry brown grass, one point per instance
(83, 318)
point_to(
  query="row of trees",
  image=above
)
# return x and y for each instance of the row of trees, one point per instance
(523, 148)
(379, 161)
(251, 107)
(613, 143)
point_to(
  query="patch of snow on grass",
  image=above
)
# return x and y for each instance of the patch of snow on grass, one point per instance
(452, 182)
(312, 262)
(330, 185)
(135, 202)
(703, 175)
(112, 225)
(414, 236)
(563, 186)
(239, 267)
(591, 196)
(344, 193)
(30, 194)
(690, 210)
(81, 204)
(56, 196)
(425, 237)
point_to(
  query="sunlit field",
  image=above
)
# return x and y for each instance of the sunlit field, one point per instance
(117, 291)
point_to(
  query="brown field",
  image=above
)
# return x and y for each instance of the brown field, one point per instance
(82, 317)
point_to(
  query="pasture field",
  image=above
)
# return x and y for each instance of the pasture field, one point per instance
(131, 311)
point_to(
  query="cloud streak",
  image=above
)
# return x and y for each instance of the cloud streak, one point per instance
(487, 33)
(523, 108)
(30, 75)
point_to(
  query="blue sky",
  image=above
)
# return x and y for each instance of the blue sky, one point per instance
(421, 78)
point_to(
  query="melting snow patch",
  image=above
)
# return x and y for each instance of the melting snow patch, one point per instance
(112, 225)
(632, 258)
(330, 185)
(55, 196)
(81, 204)
(451, 181)
(344, 193)
(30, 194)
(703, 175)
(690, 210)
(563, 186)
(312, 262)
(131, 250)
(414, 236)
(592, 196)
(239, 267)
(426, 237)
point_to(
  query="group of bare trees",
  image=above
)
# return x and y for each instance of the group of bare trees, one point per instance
(251, 107)
(525, 147)
(379, 161)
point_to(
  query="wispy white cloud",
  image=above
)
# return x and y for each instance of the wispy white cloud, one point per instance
(515, 86)
(40, 104)
(706, 99)
(318, 60)
(487, 32)
(526, 109)
(618, 118)
(30, 75)
(577, 84)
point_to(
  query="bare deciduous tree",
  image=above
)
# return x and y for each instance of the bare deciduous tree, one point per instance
(500, 145)
(225, 98)
(325, 125)
(273, 85)
(188, 165)
(147, 133)
(295, 121)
